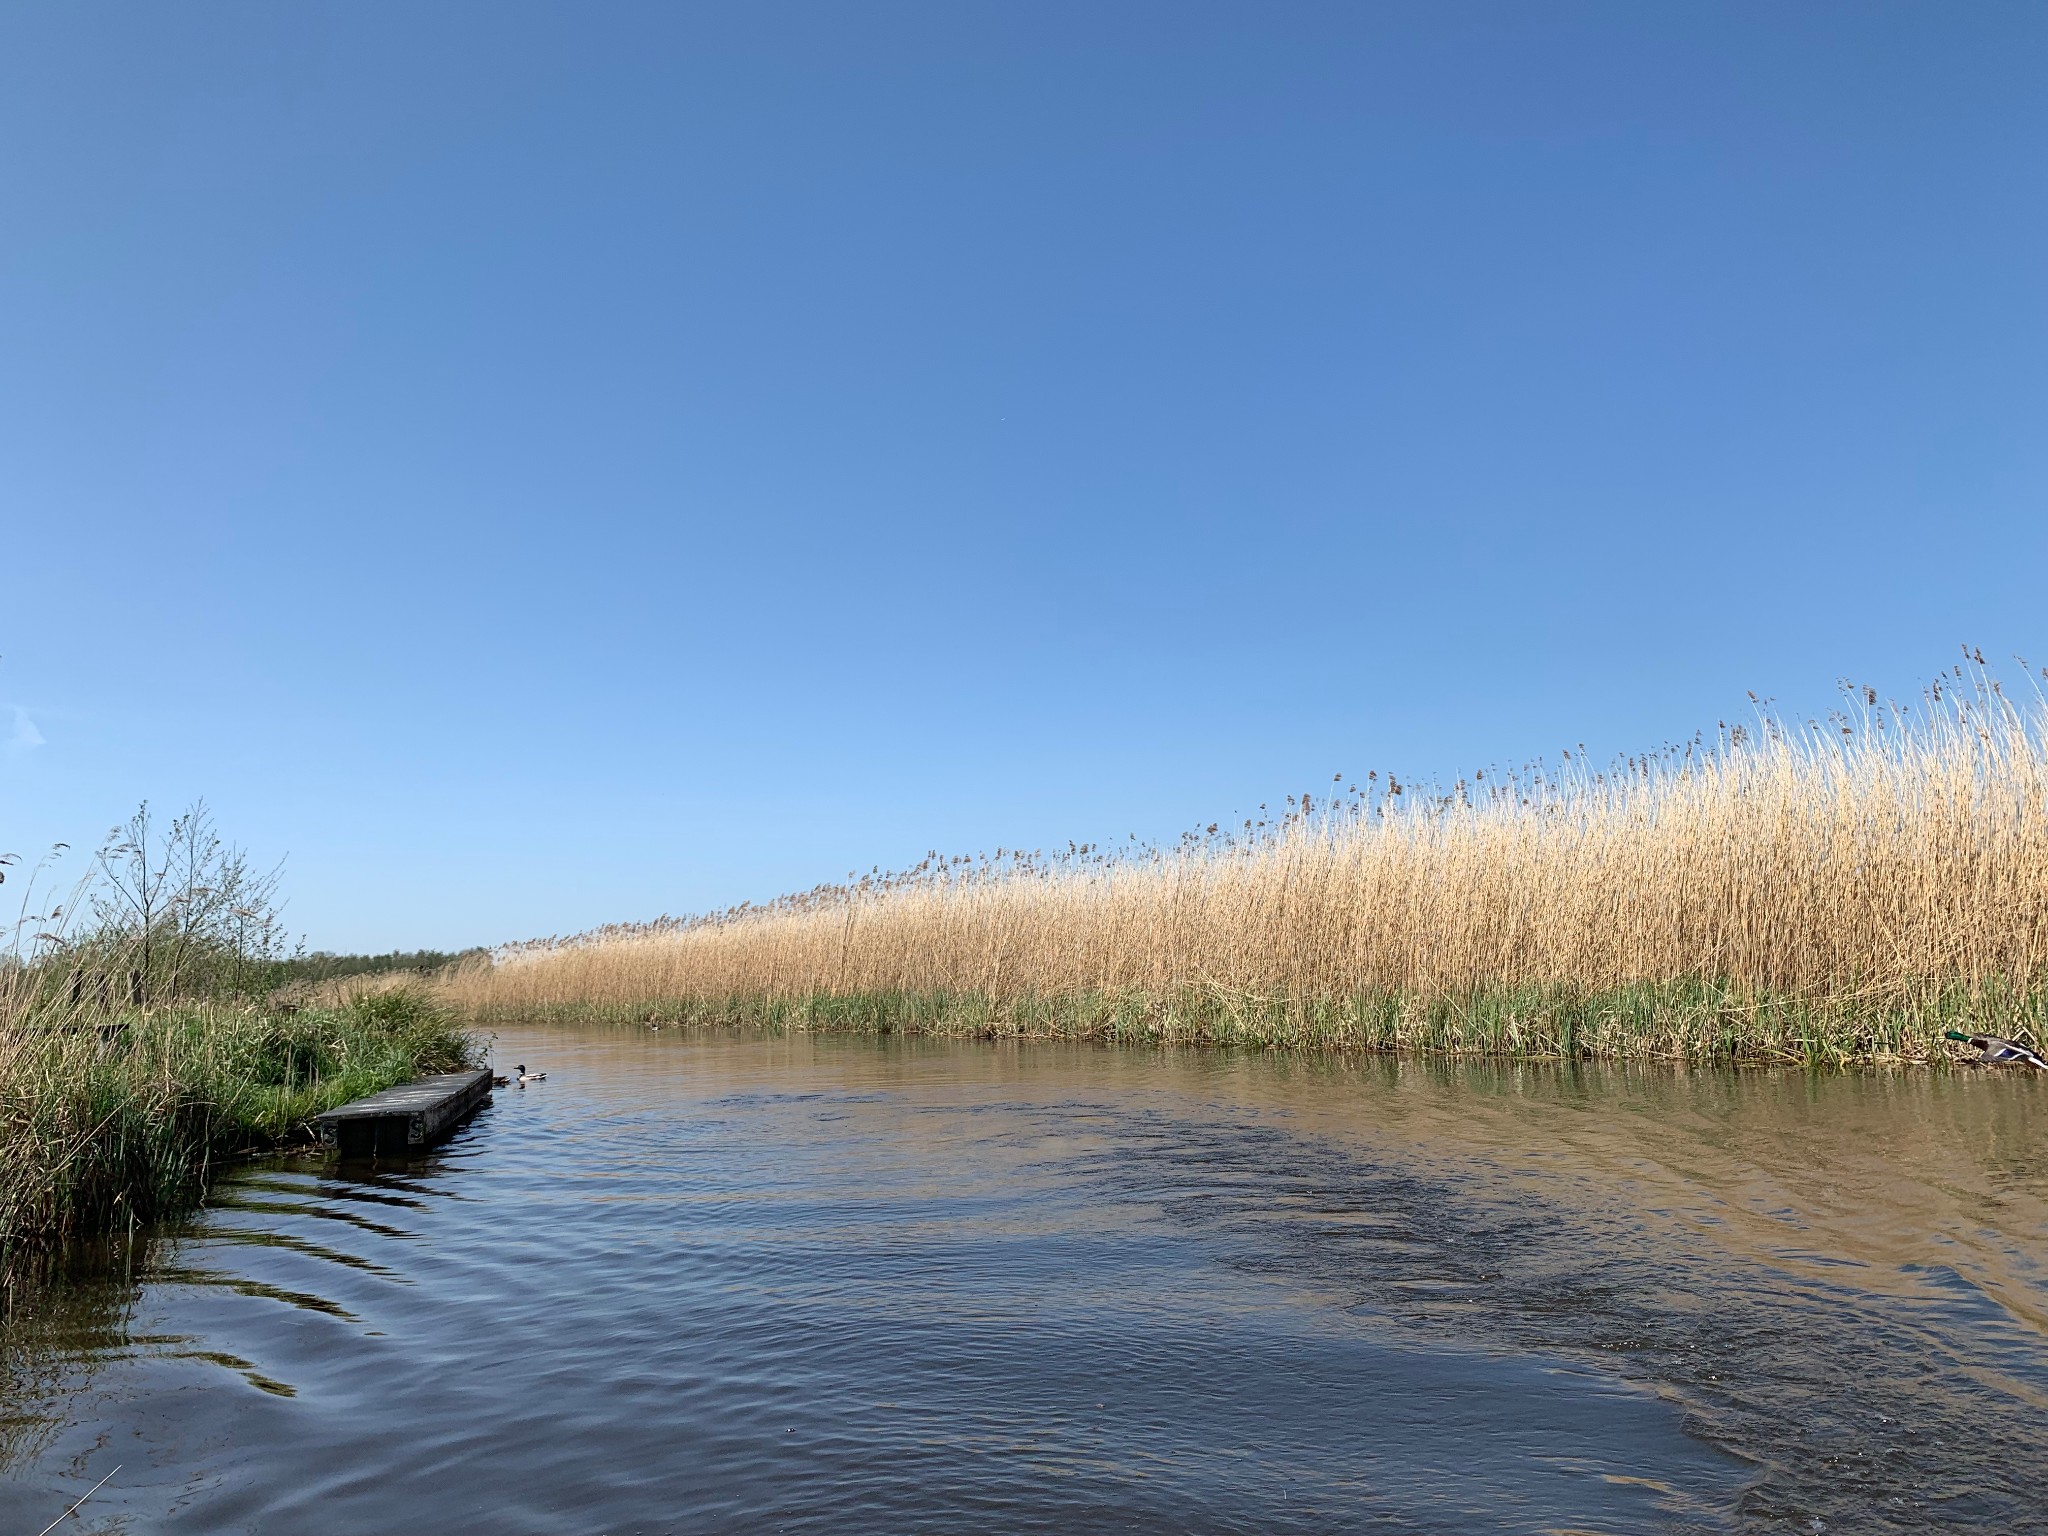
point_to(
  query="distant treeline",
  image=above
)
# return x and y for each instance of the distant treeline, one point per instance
(324, 966)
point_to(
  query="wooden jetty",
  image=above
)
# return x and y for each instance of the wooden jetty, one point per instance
(406, 1118)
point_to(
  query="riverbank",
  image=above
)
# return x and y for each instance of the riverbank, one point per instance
(108, 1121)
(1680, 1023)
(1845, 891)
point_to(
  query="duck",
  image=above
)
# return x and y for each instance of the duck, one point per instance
(529, 1077)
(1994, 1051)
(499, 1079)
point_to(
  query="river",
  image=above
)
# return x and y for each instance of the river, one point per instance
(724, 1283)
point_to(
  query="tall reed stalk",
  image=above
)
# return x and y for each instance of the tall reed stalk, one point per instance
(1847, 889)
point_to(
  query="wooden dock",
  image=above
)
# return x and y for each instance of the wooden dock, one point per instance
(404, 1119)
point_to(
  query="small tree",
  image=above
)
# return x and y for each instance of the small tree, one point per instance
(188, 907)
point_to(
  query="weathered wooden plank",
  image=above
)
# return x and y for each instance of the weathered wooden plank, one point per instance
(406, 1118)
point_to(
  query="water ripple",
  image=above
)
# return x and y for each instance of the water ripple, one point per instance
(705, 1284)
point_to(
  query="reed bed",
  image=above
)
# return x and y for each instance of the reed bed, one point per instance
(107, 1121)
(1844, 890)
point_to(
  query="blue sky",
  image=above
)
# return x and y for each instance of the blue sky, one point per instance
(542, 464)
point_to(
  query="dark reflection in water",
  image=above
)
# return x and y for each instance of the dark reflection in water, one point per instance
(701, 1284)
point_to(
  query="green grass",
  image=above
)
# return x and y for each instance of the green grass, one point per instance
(103, 1124)
(1679, 1021)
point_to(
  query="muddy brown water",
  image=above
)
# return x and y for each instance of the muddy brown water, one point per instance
(699, 1283)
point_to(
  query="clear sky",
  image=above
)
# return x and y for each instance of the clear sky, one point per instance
(543, 464)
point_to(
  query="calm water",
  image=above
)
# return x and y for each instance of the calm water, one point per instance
(710, 1284)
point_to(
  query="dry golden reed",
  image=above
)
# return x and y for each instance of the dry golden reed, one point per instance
(1844, 890)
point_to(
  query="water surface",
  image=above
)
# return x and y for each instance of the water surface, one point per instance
(711, 1283)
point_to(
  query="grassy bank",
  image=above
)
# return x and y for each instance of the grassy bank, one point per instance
(1846, 890)
(104, 1120)
(1679, 1021)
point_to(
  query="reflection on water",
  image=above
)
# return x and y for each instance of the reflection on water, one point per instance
(703, 1284)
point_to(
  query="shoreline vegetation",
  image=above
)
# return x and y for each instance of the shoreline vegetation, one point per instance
(144, 1039)
(1835, 892)
(121, 1121)
(1679, 1024)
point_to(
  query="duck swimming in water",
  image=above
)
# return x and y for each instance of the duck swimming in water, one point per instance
(1999, 1053)
(529, 1077)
